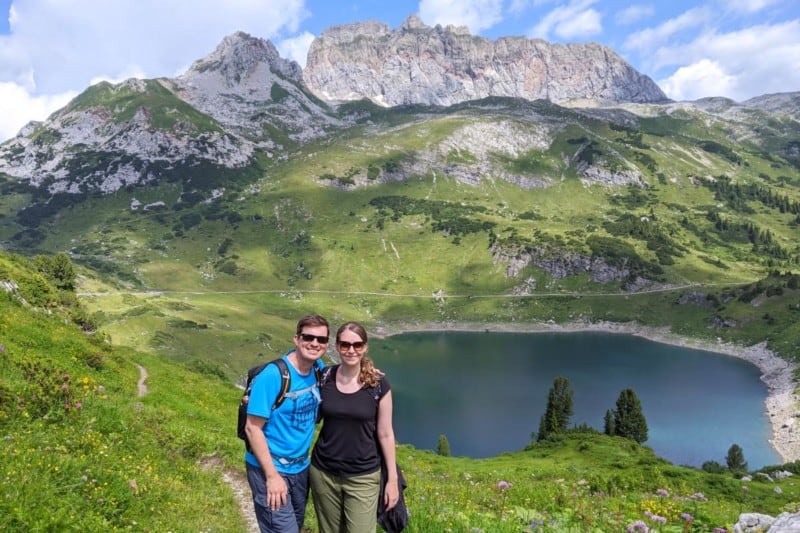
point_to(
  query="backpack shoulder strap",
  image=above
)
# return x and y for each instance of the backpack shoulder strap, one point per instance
(377, 390)
(286, 381)
(323, 374)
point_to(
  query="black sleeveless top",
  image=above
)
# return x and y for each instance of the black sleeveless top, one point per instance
(348, 442)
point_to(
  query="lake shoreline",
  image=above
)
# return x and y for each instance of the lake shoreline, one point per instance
(776, 373)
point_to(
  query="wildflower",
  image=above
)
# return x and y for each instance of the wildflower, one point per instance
(662, 492)
(687, 517)
(78, 405)
(504, 485)
(745, 488)
(2, 348)
(638, 526)
(699, 496)
(659, 519)
(720, 530)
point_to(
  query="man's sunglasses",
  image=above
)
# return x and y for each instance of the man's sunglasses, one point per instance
(322, 339)
(358, 345)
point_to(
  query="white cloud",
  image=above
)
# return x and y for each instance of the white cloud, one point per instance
(477, 15)
(752, 61)
(296, 48)
(634, 14)
(700, 79)
(574, 20)
(18, 107)
(649, 39)
(749, 6)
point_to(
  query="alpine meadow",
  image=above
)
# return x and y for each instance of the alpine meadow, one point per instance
(159, 237)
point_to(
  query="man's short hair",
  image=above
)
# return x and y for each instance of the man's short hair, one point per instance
(312, 320)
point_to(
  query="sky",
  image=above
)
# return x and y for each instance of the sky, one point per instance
(52, 50)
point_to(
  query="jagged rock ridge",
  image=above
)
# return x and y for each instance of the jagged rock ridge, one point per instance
(417, 64)
(236, 101)
(245, 83)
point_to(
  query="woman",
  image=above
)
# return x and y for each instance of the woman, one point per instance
(357, 430)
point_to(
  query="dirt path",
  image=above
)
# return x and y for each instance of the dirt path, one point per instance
(237, 481)
(142, 385)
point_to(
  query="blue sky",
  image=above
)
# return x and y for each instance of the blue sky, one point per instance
(51, 50)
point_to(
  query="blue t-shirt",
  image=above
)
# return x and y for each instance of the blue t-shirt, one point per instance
(290, 428)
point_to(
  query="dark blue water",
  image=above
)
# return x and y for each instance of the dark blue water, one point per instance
(487, 391)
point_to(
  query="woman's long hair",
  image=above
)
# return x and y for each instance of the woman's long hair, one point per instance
(366, 374)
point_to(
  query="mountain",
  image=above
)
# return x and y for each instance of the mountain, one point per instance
(234, 179)
(241, 100)
(417, 64)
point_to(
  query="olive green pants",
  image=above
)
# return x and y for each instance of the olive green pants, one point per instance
(345, 504)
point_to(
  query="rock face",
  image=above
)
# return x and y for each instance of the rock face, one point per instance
(417, 64)
(241, 98)
(245, 84)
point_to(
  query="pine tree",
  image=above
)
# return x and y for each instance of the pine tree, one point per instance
(629, 421)
(443, 447)
(608, 423)
(559, 409)
(735, 459)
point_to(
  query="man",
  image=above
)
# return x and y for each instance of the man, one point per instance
(277, 465)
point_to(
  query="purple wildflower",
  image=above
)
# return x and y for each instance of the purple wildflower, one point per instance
(2, 348)
(687, 517)
(699, 496)
(638, 526)
(504, 485)
(659, 519)
(720, 530)
(662, 492)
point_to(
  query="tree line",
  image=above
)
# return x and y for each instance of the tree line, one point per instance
(626, 420)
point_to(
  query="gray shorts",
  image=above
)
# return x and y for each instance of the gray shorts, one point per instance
(290, 517)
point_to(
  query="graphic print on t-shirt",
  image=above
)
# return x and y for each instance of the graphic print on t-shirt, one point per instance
(304, 407)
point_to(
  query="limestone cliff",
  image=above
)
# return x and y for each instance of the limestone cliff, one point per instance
(418, 64)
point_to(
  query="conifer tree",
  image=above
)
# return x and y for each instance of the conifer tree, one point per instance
(443, 448)
(629, 421)
(735, 459)
(608, 423)
(559, 409)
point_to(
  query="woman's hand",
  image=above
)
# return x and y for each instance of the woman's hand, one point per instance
(391, 495)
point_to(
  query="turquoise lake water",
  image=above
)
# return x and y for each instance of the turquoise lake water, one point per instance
(487, 391)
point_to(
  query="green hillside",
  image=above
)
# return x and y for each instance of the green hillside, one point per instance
(494, 211)
(84, 449)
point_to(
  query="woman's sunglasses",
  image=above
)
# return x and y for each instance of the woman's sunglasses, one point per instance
(358, 345)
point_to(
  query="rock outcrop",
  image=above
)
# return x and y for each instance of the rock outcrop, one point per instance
(418, 64)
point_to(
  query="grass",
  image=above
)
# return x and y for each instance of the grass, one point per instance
(82, 451)
(199, 292)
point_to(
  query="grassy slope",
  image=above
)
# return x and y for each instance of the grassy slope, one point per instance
(294, 232)
(111, 461)
(121, 462)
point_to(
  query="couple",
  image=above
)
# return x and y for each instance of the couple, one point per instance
(345, 466)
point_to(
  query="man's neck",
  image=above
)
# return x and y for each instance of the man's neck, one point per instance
(300, 364)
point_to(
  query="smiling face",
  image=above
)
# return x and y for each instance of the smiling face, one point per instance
(351, 346)
(311, 343)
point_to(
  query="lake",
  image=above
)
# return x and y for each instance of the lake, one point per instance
(486, 391)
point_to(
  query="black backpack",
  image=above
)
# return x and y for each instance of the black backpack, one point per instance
(286, 384)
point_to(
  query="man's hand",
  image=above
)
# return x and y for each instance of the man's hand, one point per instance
(277, 492)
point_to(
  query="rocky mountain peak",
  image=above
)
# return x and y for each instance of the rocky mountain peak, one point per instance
(417, 64)
(413, 22)
(239, 55)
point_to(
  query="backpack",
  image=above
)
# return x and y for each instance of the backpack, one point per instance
(286, 384)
